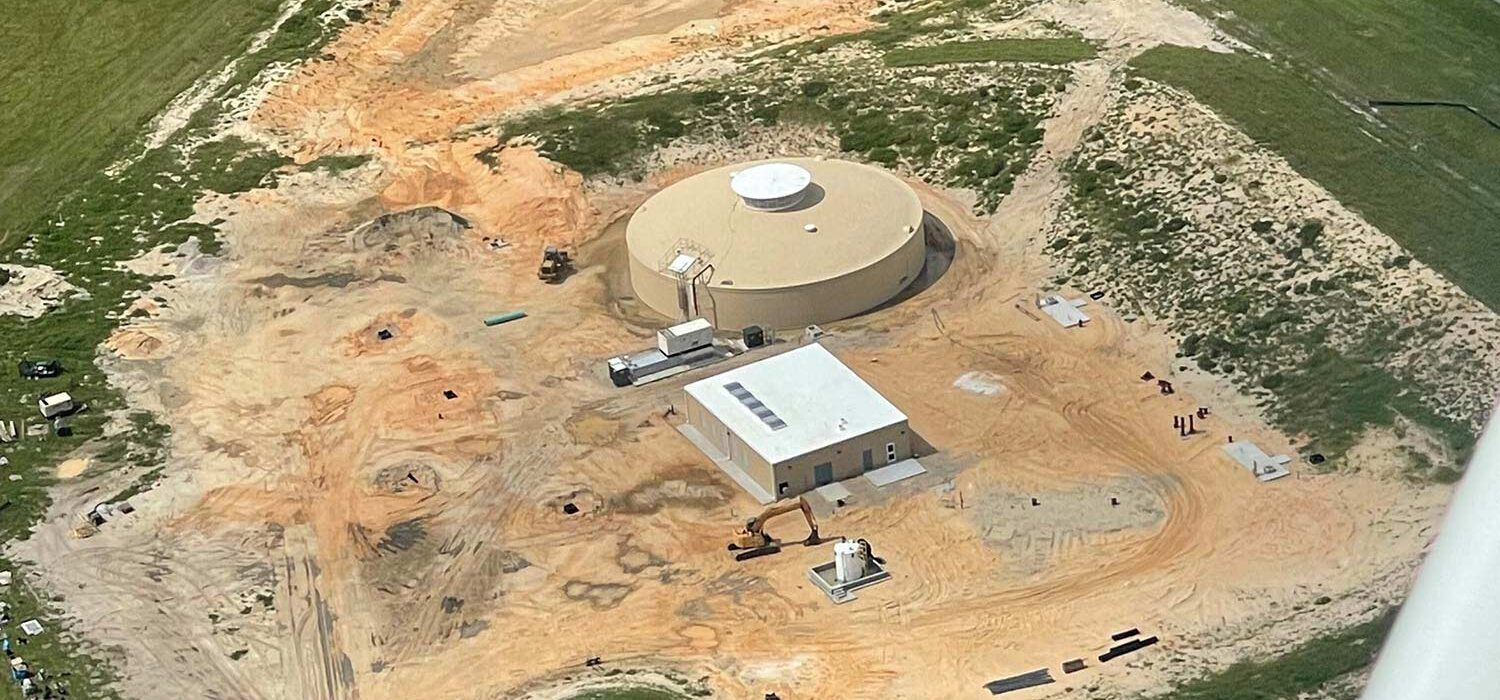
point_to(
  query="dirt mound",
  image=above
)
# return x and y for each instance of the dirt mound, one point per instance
(72, 468)
(139, 343)
(429, 227)
(521, 198)
(29, 291)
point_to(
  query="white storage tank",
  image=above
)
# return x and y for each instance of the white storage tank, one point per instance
(685, 337)
(848, 565)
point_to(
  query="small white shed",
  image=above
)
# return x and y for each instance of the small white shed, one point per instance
(55, 405)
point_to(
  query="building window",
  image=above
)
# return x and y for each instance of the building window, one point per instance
(890, 452)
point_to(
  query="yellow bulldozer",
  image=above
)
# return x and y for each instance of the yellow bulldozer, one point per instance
(751, 541)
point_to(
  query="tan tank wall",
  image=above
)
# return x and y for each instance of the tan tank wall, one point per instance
(791, 307)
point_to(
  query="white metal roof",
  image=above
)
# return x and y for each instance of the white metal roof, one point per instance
(682, 263)
(687, 327)
(819, 400)
(770, 181)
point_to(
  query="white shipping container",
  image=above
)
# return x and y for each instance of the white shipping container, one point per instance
(685, 337)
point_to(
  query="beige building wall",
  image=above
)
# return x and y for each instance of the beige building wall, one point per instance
(729, 444)
(731, 308)
(846, 458)
(799, 474)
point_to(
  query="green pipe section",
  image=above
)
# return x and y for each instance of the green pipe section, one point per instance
(504, 318)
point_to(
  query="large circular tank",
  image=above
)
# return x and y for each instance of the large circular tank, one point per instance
(781, 244)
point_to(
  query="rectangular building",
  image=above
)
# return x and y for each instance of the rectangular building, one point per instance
(794, 422)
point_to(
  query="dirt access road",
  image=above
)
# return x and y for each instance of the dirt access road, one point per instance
(335, 526)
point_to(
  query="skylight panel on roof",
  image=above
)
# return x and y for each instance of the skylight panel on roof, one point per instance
(748, 400)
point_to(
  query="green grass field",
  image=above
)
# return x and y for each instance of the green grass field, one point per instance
(1425, 176)
(1012, 50)
(82, 79)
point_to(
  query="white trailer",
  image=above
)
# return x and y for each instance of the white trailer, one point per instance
(55, 405)
(685, 337)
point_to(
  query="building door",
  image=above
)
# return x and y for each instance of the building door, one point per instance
(869, 460)
(890, 452)
(823, 474)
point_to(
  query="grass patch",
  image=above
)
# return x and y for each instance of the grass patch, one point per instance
(603, 138)
(337, 163)
(1305, 669)
(1054, 51)
(56, 651)
(636, 693)
(918, 18)
(1423, 176)
(979, 137)
(1336, 396)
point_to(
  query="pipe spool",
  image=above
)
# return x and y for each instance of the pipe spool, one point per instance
(506, 317)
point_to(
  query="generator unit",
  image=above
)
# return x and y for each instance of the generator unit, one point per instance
(685, 337)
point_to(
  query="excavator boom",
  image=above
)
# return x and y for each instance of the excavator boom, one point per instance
(752, 541)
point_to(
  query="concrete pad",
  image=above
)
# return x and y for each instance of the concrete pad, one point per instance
(887, 475)
(721, 461)
(1065, 312)
(1263, 466)
(823, 577)
(834, 492)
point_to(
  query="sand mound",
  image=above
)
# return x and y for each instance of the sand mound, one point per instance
(522, 198)
(29, 291)
(138, 343)
(72, 468)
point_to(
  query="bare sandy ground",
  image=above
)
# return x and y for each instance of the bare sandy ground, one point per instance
(333, 526)
(32, 290)
(72, 468)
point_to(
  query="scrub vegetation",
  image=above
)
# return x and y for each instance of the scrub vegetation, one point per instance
(966, 126)
(1319, 319)
(1310, 668)
(1424, 176)
(1065, 50)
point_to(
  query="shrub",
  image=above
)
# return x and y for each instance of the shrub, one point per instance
(813, 88)
(1309, 232)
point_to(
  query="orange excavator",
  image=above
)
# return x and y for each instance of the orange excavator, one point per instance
(751, 541)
